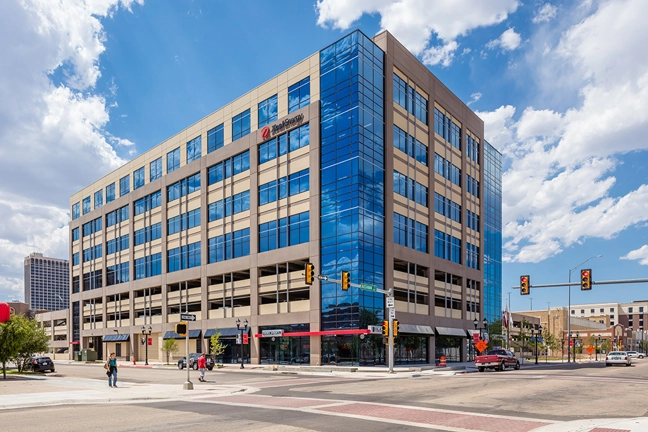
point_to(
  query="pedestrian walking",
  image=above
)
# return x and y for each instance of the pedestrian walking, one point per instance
(111, 370)
(202, 364)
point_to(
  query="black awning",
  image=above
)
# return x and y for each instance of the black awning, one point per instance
(116, 338)
(193, 334)
(224, 332)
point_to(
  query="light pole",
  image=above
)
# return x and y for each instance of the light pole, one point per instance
(484, 322)
(242, 330)
(145, 334)
(569, 299)
(538, 332)
(574, 342)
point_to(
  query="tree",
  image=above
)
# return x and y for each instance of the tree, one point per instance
(550, 341)
(34, 340)
(495, 332)
(169, 346)
(217, 348)
(605, 346)
(522, 340)
(11, 336)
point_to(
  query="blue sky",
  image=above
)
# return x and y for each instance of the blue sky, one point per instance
(562, 89)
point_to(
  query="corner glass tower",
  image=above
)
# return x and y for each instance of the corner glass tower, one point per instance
(493, 237)
(352, 182)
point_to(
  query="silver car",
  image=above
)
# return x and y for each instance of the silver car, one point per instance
(635, 354)
(618, 357)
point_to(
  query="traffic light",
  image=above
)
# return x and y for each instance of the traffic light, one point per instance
(181, 328)
(345, 280)
(586, 280)
(310, 273)
(395, 328)
(525, 284)
(386, 328)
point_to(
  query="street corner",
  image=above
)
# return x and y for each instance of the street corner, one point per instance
(634, 424)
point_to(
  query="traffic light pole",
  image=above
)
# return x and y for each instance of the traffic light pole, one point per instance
(391, 341)
(188, 385)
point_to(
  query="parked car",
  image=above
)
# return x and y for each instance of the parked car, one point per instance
(41, 364)
(618, 357)
(498, 360)
(193, 361)
(635, 354)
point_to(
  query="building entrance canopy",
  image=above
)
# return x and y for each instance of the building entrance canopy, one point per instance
(449, 331)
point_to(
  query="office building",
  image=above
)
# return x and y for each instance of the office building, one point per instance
(492, 233)
(356, 159)
(47, 283)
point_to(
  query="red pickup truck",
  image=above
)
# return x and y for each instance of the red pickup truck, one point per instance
(498, 359)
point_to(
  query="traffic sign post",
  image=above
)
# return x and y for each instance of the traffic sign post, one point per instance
(187, 317)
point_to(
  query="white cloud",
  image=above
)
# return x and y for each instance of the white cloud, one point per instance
(640, 255)
(52, 133)
(546, 13)
(415, 22)
(508, 41)
(474, 98)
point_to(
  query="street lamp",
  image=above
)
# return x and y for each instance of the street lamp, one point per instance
(574, 342)
(146, 332)
(242, 330)
(484, 323)
(569, 299)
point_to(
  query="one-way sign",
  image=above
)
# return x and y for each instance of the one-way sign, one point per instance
(187, 317)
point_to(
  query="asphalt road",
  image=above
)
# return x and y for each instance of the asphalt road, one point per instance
(282, 402)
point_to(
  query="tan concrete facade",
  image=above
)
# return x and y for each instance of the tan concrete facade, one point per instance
(444, 294)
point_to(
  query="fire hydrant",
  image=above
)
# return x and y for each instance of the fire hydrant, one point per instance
(134, 361)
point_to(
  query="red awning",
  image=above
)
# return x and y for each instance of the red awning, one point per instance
(320, 333)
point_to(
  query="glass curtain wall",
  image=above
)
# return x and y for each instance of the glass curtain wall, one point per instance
(493, 231)
(352, 186)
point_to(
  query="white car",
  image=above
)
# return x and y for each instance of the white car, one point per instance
(618, 357)
(635, 354)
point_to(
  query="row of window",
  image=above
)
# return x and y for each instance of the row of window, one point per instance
(284, 143)
(237, 203)
(183, 222)
(447, 170)
(118, 273)
(410, 145)
(448, 130)
(298, 97)
(149, 233)
(472, 220)
(229, 246)
(117, 245)
(92, 253)
(407, 97)
(183, 187)
(446, 207)
(283, 187)
(472, 186)
(284, 232)
(410, 233)
(411, 189)
(148, 202)
(91, 227)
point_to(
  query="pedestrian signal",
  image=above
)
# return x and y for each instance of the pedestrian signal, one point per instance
(525, 285)
(586, 280)
(181, 329)
(310, 273)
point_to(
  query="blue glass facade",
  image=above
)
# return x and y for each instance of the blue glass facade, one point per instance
(493, 233)
(352, 180)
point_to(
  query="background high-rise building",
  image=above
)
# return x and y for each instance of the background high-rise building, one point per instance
(47, 282)
(492, 233)
(356, 159)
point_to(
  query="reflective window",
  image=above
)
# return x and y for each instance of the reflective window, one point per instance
(407, 187)
(410, 233)
(472, 256)
(173, 160)
(124, 185)
(285, 186)
(447, 207)
(75, 234)
(241, 125)
(268, 111)
(447, 170)
(448, 130)
(472, 186)
(148, 202)
(194, 149)
(229, 206)
(183, 222)
(86, 205)
(148, 266)
(284, 232)
(117, 274)
(148, 234)
(407, 97)
(472, 221)
(183, 187)
(116, 216)
(110, 192)
(156, 169)
(98, 199)
(284, 143)
(215, 138)
(410, 146)
(76, 211)
(138, 178)
(183, 257)
(229, 246)
(228, 168)
(299, 95)
(447, 247)
(472, 148)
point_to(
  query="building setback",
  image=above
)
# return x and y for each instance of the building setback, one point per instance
(356, 159)
(47, 283)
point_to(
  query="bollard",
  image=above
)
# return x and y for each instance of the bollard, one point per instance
(443, 361)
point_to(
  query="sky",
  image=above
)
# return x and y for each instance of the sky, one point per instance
(562, 88)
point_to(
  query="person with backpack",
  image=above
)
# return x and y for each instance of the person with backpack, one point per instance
(202, 364)
(111, 370)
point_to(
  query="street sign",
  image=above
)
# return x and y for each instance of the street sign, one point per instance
(245, 339)
(238, 339)
(187, 317)
(368, 287)
(375, 329)
(481, 346)
(475, 338)
(390, 302)
(322, 277)
(392, 313)
(150, 341)
(272, 333)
